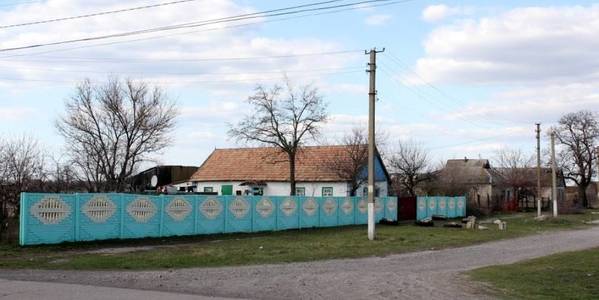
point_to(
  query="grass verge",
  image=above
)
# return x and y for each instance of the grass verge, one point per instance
(571, 275)
(269, 247)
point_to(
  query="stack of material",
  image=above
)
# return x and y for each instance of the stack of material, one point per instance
(501, 225)
(426, 222)
(470, 222)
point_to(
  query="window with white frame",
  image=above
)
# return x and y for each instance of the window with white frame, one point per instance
(327, 191)
(300, 191)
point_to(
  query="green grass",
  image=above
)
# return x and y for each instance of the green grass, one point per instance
(271, 247)
(571, 275)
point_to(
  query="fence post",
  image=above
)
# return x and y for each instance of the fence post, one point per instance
(122, 212)
(76, 213)
(299, 206)
(161, 225)
(253, 208)
(226, 209)
(22, 218)
(195, 206)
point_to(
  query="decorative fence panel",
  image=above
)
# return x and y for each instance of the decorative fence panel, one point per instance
(450, 207)
(55, 218)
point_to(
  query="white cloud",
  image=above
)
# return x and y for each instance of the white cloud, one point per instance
(152, 59)
(436, 13)
(15, 113)
(532, 44)
(377, 20)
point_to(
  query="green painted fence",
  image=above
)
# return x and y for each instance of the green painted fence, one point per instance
(56, 218)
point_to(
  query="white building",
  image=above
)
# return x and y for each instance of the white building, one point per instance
(265, 171)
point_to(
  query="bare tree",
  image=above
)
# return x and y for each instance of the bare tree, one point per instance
(21, 170)
(352, 163)
(283, 118)
(513, 168)
(411, 165)
(577, 134)
(111, 128)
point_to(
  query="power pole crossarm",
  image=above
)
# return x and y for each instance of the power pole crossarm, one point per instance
(371, 143)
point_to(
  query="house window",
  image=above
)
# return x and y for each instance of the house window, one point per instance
(208, 189)
(258, 191)
(300, 191)
(327, 191)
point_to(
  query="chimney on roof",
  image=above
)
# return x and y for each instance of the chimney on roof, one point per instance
(465, 159)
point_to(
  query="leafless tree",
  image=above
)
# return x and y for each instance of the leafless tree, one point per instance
(21, 170)
(111, 128)
(410, 163)
(283, 117)
(577, 134)
(352, 163)
(513, 166)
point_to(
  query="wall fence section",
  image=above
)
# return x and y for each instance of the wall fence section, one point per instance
(450, 207)
(56, 218)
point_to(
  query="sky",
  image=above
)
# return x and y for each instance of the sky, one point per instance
(461, 78)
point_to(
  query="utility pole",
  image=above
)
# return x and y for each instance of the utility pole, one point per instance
(597, 151)
(538, 169)
(371, 142)
(553, 174)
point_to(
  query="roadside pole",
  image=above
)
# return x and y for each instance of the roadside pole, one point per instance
(597, 151)
(553, 174)
(538, 169)
(371, 143)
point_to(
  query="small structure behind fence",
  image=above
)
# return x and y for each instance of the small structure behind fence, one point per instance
(55, 218)
(449, 207)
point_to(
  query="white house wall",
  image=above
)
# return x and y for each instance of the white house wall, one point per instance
(314, 189)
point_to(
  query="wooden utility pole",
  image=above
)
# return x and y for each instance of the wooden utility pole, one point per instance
(371, 142)
(553, 175)
(538, 169)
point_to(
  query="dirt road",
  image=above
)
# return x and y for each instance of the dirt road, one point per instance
(419, 275)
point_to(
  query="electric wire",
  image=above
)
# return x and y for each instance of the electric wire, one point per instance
(95, 14)
(269, 13)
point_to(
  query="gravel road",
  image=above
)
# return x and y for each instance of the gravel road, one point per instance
(419, 275)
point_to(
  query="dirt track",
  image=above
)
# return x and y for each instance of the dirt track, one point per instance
(420, 275)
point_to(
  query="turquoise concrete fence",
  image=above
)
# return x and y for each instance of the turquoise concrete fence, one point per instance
(55, 218)
(450, 207)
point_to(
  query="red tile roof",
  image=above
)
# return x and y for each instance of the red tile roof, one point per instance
(269, 164)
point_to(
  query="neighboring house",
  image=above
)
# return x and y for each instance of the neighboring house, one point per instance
(491, 189)
(522, 191)
(265, 171)
(159, 178)
(574, 200)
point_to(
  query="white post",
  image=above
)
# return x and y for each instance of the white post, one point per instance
(371, 142)
(553, 175)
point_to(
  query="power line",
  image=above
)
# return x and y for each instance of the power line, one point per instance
(95, 14)
(188, 60)
(399, 62)
(269, 13)
(196, 73)
(205, 30)
(191, 80)
(424, 97)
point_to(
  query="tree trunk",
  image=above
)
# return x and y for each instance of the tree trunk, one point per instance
(353, 188)
(582, 194)
(292, 173)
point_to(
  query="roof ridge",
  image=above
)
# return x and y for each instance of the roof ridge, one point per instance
(274, 147)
